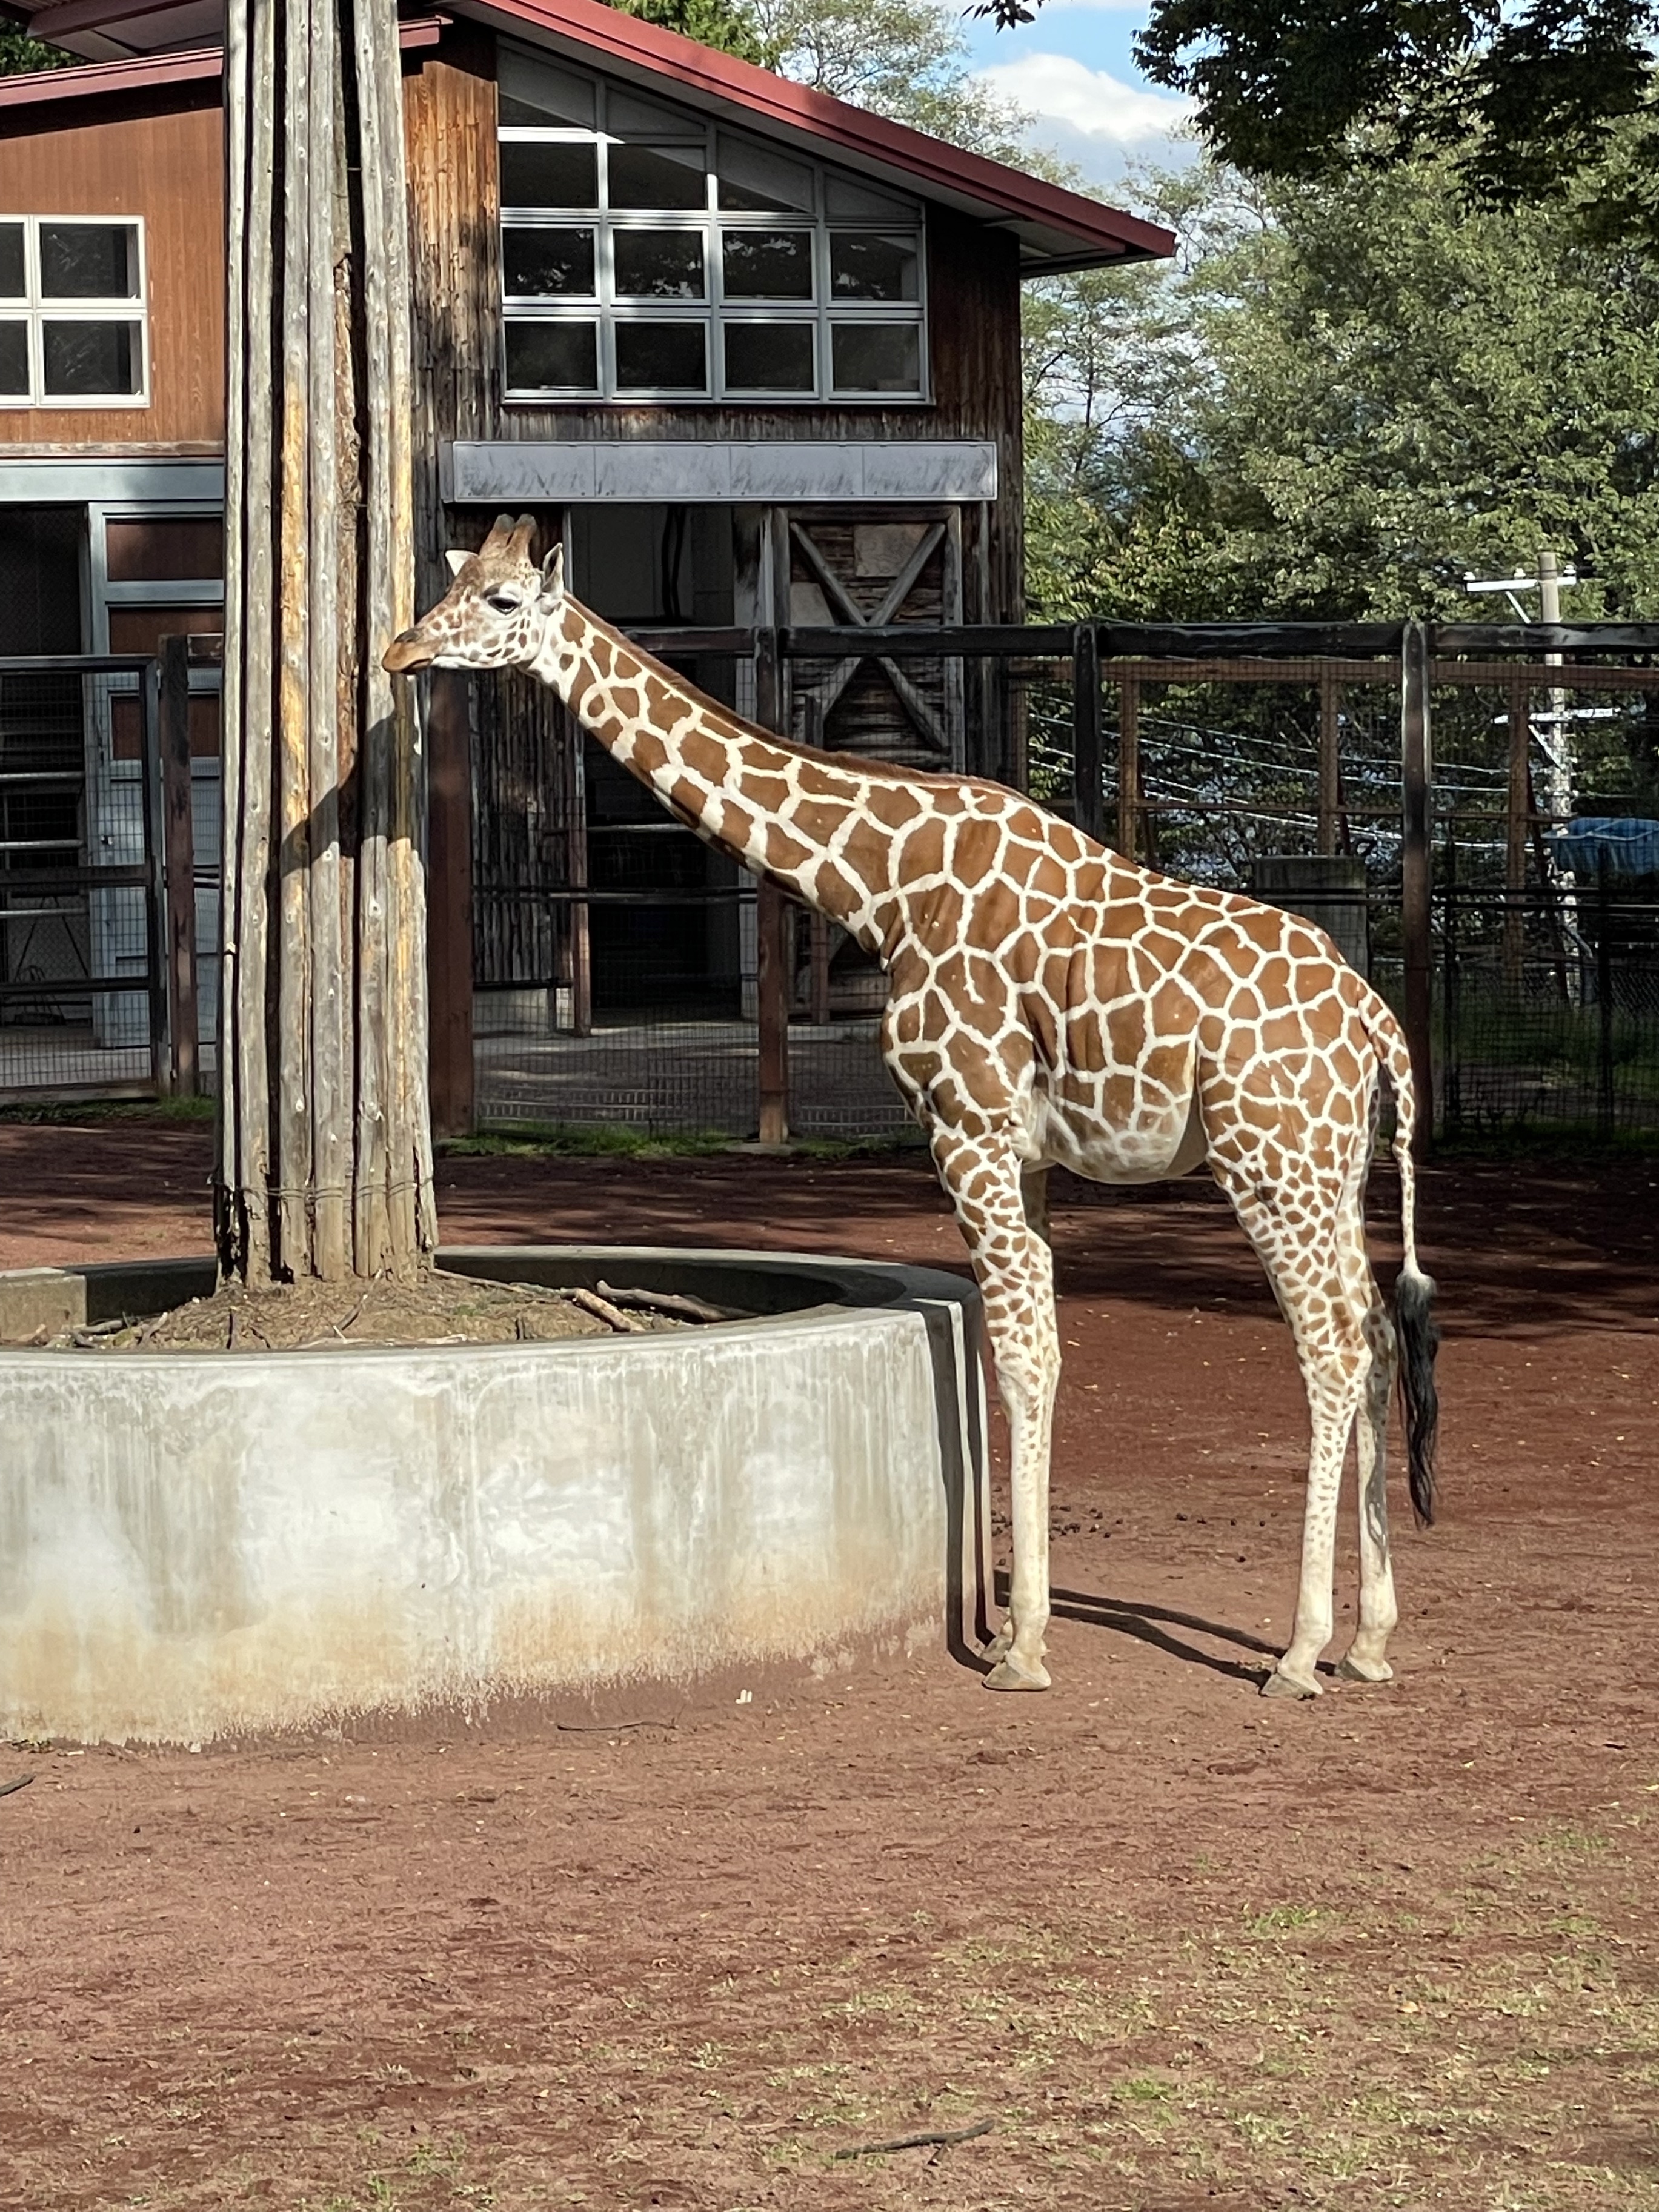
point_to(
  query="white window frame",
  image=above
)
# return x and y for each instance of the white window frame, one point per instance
(34, 310)
(713, 312)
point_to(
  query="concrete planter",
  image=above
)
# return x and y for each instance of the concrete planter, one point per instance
(197, 1544)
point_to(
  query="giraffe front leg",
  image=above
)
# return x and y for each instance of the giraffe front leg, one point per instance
(1366, 1657)
(1015, 1272)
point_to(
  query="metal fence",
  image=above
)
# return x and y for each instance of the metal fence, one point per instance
(625, 974)
(83, 1001)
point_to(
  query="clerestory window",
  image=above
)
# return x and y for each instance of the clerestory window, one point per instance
(647, 255)
(72, 318)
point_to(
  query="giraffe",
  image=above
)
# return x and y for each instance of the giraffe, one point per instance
(1050, 1004)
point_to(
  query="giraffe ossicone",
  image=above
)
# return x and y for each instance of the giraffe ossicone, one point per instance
(1050, 1004)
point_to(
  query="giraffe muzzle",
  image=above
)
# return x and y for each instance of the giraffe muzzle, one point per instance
(407, 651)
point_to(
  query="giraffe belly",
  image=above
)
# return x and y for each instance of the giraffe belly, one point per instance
(1151, 1144)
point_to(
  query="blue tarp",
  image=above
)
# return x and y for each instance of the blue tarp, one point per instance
(1629, 845)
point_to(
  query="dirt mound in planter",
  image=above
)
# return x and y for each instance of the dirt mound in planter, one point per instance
(438, 1309)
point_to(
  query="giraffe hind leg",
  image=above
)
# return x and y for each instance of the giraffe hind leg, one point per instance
(1366, 1658)
(1300, 1227)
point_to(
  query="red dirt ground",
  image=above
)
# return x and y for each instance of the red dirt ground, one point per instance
(1181, 1948)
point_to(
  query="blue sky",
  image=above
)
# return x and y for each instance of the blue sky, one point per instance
(1073, 68)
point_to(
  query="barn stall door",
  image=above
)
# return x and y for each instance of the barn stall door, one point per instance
(861, 573)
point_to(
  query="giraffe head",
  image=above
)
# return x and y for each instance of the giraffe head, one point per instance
(496, 612)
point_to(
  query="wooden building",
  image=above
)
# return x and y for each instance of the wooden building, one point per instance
(752, 353)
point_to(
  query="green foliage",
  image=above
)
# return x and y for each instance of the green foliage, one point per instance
(1523, 96)
(906, 59)
(726, 24)
(1342, 396)
(21, 55)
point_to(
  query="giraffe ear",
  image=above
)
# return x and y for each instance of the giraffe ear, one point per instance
(553, 575)
(457, 560)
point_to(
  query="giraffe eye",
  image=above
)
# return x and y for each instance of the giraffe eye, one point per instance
(503, 603)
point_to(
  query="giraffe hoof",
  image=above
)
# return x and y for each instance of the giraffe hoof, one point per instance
(997, 1645)
(1365, 1670)
(1287, 1686)
(1006, 1674)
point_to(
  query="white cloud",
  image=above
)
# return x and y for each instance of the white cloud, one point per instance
(1090, 117)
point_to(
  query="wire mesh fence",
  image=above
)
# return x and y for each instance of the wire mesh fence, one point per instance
(80, 1005)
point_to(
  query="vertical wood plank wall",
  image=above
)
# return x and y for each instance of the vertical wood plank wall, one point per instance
(168, 166)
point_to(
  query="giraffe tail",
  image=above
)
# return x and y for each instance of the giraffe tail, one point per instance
(1415, 1326)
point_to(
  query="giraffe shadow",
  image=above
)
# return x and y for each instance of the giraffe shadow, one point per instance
(1152, 1624)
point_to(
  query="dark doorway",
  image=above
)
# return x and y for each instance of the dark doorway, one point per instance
(672, 947)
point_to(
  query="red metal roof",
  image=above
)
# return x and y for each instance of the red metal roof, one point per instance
(153, 70)
(1056, 228)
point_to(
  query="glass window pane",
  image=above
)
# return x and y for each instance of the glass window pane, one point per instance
(548, 265)
(769, 357)
(12, 286)
(876, 356)
(533, 91)
(552, 356)
(656, 177)
(87, 361)
(150, 550)
(754, 181)
(14, 360)
(661, 357)
(630, 117)
(140, 629)
(865, 266)
(767, 264)
(849, 203)
(658, 265)
(549, 176)
(89, 261)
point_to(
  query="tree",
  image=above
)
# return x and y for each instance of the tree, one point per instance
(21, 55)
(1341, 397)
(1526, 97)
(906, 59)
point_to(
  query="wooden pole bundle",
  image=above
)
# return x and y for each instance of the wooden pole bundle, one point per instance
(325, 1157)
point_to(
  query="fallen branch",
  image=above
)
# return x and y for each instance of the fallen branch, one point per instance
(591, 1302)
(936, 2141)
(21, 1783)
(668, 1302)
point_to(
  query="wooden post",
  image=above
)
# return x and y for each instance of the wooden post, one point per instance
(1330, 759)
(1128, 768)
(817, 959)
(1515, 828)
(324, 1154)
(1416, 884)
(1087, 799)
(179, 850)
(772, 977)
(449, 901)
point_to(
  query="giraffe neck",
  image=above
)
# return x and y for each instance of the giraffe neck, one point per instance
(800, 818)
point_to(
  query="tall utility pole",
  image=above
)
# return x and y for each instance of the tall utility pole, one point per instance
(325, 1164)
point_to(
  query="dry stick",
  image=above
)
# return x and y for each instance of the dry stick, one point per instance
(668, 1302)
(7, 1788)
(937, 2140)
(590, 1301)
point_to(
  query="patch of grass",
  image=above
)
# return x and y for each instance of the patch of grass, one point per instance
(622, 1140)
(89, 1113)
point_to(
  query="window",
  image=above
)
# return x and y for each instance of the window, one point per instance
(72, 323)
(647, 255)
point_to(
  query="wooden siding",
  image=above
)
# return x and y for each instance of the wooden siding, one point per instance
(167, 165)
(973, 334)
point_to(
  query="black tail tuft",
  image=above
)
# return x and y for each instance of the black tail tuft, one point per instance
(1419, 1340)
